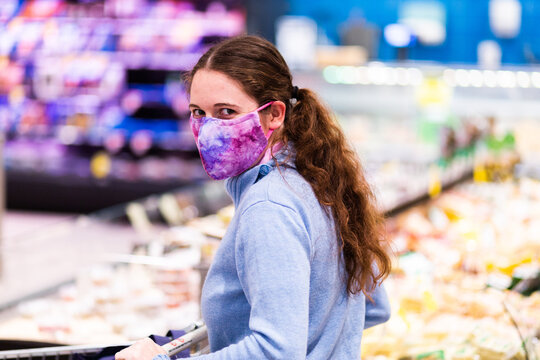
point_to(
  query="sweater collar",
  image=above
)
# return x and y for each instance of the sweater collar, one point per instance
(237, 185)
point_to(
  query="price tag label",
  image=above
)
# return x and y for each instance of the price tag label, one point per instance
(435, 184)
(480, 174)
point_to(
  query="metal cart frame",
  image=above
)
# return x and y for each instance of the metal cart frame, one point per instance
(194, 339)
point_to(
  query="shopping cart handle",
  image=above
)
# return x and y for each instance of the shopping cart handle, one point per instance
(197, 334)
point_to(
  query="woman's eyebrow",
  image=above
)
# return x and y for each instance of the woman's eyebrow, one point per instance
(225, 104)
(215, 105)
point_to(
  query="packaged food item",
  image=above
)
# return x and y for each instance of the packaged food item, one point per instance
(455, 288)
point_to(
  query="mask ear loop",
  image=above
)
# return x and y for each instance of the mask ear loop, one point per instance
(267, 155)
(265, 106)
(270, 131)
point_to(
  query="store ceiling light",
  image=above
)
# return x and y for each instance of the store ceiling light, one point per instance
(330, 74)
(476, 78)
(505, 18)
(523, 79)
(339, 75)
(355, 76)
(398, 35)
(490, 78)
(535, 79)
(415, 75)
(377, 74)
(449, 77)
(348, 75)
(402, 76)
(426, 19)
(506, 79)
(462, 78)
(391, 77)
(362, 77)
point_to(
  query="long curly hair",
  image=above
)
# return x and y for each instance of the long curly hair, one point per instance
(323, 155)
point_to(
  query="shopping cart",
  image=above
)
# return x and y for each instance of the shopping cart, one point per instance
(194, 339)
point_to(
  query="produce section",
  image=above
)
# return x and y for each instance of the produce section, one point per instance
(466, 278)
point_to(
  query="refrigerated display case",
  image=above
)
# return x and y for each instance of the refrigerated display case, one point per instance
(115, 275)
(466, 280)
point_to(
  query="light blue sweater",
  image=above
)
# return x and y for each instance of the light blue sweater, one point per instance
(276, 288)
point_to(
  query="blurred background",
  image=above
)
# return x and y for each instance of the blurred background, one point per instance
(104, 195)
(94, 112)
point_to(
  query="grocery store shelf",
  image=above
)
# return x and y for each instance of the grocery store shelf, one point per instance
(39, 191)
(71, 242)
(467, 176)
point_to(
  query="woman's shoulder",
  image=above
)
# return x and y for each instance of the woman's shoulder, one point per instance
(281, 185)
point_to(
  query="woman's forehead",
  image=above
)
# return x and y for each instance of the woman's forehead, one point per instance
(210, 87)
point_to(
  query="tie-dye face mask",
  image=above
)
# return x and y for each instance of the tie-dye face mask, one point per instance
(229, 147)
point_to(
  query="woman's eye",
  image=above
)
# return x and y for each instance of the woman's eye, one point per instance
(226, 113)
(197, 113)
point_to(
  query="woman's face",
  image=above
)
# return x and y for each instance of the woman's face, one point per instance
(214, 94)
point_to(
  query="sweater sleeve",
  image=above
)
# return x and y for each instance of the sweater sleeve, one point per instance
(378, 311)
(273, 263)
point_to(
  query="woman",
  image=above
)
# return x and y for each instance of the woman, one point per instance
(298, 274)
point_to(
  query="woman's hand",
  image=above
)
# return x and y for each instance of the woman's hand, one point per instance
(144, 349)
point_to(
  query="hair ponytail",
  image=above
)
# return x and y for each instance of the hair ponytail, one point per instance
(326, 160)
(323, 156)
(308, 118)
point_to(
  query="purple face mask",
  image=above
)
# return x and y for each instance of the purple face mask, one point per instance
(229, 147)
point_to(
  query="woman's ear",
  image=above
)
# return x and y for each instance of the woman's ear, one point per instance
(276, 115)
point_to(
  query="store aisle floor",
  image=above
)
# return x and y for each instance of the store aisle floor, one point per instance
(42, 250)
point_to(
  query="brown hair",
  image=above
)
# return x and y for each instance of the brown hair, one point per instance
(323, 156)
